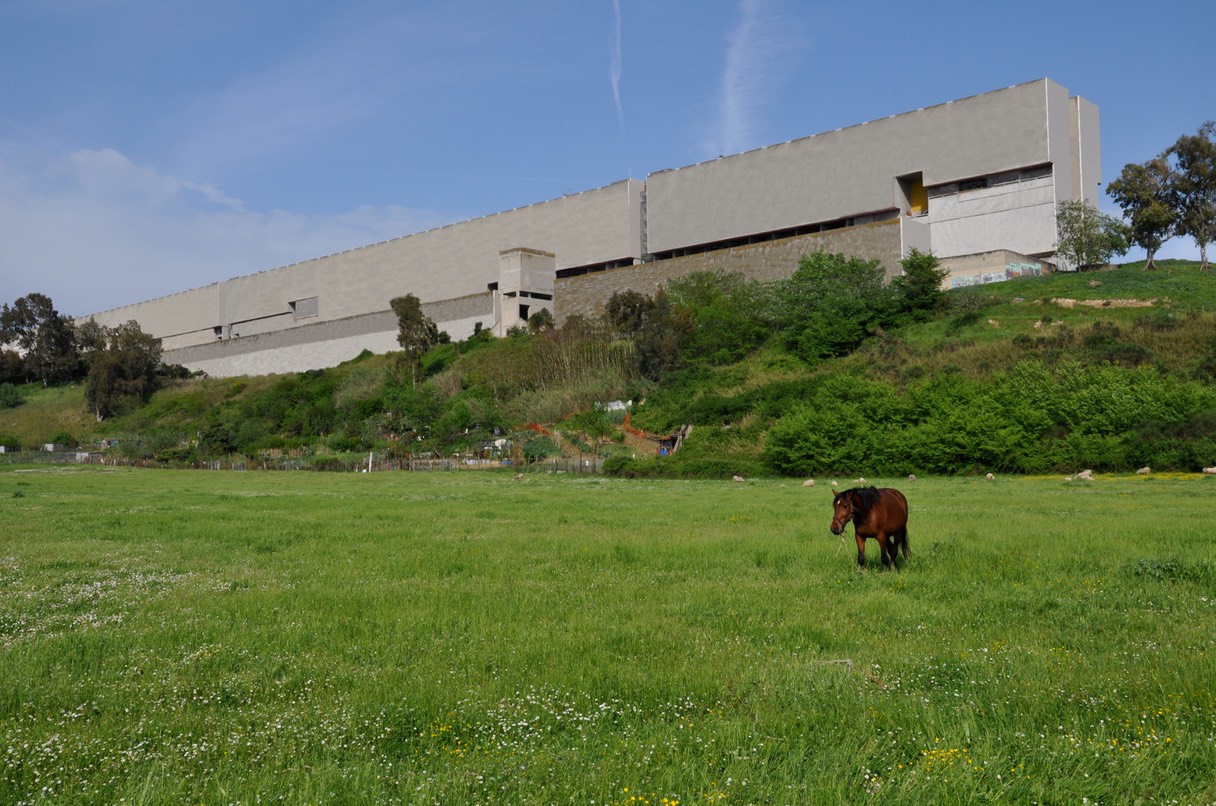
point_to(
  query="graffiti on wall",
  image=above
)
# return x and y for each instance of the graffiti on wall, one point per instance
(1010, 271)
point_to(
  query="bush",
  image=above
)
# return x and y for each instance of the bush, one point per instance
(179, 454)
(832, 303)
(731, 314)
(540, 447)
(815, 440)
(617, 465)
(64, 438)
(10, 396)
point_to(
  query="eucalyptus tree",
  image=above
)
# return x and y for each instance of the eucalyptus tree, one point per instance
(1144, 192)
(123, 367)
(1193, 182)
(46, 339)
(416, 332)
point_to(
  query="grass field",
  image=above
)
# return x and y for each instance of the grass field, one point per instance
(450, 638)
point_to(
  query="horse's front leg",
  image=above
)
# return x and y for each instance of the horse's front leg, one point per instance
(861, 552)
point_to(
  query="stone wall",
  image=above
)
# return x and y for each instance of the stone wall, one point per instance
(587, 294)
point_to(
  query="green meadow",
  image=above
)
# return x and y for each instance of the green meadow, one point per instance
(465, 638)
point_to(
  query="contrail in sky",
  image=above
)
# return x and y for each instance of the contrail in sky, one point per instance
(756, 52)
(614, 69)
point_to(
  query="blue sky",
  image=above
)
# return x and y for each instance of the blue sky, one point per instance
(151, 146)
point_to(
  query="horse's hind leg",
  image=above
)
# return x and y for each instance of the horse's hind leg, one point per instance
(887, 547)
(900, 544)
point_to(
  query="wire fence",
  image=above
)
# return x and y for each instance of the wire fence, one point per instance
(339, 464)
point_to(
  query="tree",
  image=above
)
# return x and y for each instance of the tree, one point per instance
(918, 290)
(91, 337)
(1086, 237)
(1143, 191)
(1194, 186)
(541, 321)
(12, 367)
(832, 303)
(122, 367)
(626, 310)
(657, 328)
(416, 332)
(47, 339)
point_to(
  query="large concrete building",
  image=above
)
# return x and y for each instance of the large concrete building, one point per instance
(976, 181)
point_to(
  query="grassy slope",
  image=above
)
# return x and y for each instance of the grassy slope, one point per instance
(976, 345)
(987, 330)
(176, 636)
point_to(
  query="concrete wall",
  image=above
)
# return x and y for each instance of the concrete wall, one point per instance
(189, 317)
(1020, 213)
(458, 260)
(988, 169)
(327, 344)
(525, 285)
(853, 171)
(991, 267)
(1087, 153)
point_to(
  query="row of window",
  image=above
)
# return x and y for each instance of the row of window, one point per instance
(992, 180)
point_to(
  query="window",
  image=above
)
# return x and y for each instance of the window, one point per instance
(303, 308)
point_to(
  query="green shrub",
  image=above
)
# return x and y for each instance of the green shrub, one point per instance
(540, 447)
(63, 438)
(10, 396)
(178, 454)
(617, 465)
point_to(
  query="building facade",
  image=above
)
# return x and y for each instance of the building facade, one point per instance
(976, 181)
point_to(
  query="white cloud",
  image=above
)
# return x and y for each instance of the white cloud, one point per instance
(93, 230)
(614, 67)
(757, 57)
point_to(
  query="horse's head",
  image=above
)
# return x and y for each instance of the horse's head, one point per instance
(842, 511)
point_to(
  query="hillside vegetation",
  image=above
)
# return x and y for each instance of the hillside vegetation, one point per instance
(1109, 370)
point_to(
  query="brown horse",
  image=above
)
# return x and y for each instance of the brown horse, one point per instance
(881, 514)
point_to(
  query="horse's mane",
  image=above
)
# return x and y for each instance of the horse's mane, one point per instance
(864, 498)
